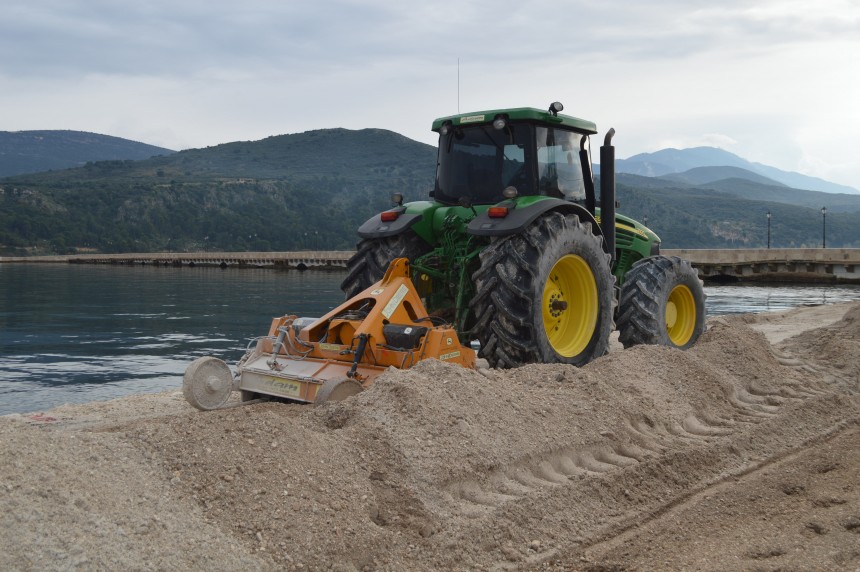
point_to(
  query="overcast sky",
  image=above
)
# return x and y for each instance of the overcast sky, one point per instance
(774, 81)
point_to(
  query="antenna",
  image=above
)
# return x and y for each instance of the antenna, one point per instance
(458, 86)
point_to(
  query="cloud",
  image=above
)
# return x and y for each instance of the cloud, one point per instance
(769, 78)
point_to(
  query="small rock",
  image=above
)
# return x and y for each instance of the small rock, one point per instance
(535, 545)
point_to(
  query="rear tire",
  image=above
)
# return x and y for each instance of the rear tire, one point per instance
(368, 265)
(544, 296)
(662, 303)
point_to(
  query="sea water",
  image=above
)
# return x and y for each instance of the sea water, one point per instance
(79, 333)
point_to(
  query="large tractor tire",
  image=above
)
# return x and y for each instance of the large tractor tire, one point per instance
(544, 296)
(662, 303)
(373, 255)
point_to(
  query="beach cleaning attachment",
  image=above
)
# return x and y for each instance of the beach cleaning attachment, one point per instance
(313, 360)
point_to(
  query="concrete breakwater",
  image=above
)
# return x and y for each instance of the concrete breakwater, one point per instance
(837, 265)
(301, 260)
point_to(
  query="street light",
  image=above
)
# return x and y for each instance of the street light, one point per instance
(768, 229)
(823, 227)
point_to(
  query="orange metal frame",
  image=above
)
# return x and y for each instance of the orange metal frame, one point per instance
(326, 348)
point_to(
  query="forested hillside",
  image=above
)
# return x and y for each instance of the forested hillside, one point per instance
(303, 191)
(713, 218)
(312, 190)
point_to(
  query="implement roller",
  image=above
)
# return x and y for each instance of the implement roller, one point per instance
(314, 360)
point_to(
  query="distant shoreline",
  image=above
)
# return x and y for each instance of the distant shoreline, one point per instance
(301, 260)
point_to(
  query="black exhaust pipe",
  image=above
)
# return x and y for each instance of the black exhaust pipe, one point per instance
(607, 193)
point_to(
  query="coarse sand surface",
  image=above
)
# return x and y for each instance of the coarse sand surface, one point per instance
(742, 453)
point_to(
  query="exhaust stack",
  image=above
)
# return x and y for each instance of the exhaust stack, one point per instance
(607, 192)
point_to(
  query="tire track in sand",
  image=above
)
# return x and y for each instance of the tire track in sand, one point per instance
(642, 438)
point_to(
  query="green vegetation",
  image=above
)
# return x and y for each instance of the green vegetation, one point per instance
(312, 190)
(292, 192)
(703, 217)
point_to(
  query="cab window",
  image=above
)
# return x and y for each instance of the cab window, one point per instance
(559, 167)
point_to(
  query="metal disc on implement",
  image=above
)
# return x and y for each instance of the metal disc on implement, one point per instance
(207, 383)
(337, 389)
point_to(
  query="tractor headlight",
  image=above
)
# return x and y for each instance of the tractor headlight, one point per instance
(499, 123)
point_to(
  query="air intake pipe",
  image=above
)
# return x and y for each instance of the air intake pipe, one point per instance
(607, 193)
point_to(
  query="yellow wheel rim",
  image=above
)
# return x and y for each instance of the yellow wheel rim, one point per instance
(680, 315)
(570, 306)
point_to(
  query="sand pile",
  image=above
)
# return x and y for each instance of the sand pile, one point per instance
(432, 468)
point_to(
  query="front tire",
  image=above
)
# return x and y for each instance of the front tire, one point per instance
(662, 303)
(373, 255)
(544, 296)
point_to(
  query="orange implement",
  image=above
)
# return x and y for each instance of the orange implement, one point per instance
(313, 360)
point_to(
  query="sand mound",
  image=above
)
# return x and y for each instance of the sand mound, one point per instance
(436, 467)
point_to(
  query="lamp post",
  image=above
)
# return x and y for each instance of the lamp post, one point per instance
(768, 229)
(823, 227)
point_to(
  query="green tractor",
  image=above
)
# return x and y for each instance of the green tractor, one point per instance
(516, 249)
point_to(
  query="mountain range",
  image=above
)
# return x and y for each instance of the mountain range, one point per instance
(34, 151)
(679, 162)
(312, 190)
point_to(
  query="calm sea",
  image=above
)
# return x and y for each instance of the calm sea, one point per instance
(71, 334)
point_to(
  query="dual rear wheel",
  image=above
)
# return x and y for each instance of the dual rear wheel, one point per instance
(662, 302)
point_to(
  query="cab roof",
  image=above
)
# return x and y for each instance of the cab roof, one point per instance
(518, 114)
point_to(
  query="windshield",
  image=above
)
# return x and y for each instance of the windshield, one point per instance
(478, 162)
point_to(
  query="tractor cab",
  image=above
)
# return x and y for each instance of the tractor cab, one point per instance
(487, 157)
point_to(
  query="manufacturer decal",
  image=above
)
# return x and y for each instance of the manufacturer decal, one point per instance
(377, 292)
(331, 347)
(451, 355)
(471, 119)
(635, 231)
(395, 301)
(283, 387)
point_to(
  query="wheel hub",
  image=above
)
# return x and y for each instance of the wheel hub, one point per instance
(556, 304)
(671, 314)
(215, 384)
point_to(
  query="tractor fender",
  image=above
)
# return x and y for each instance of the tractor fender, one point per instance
(520, 217)
(375, 227)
